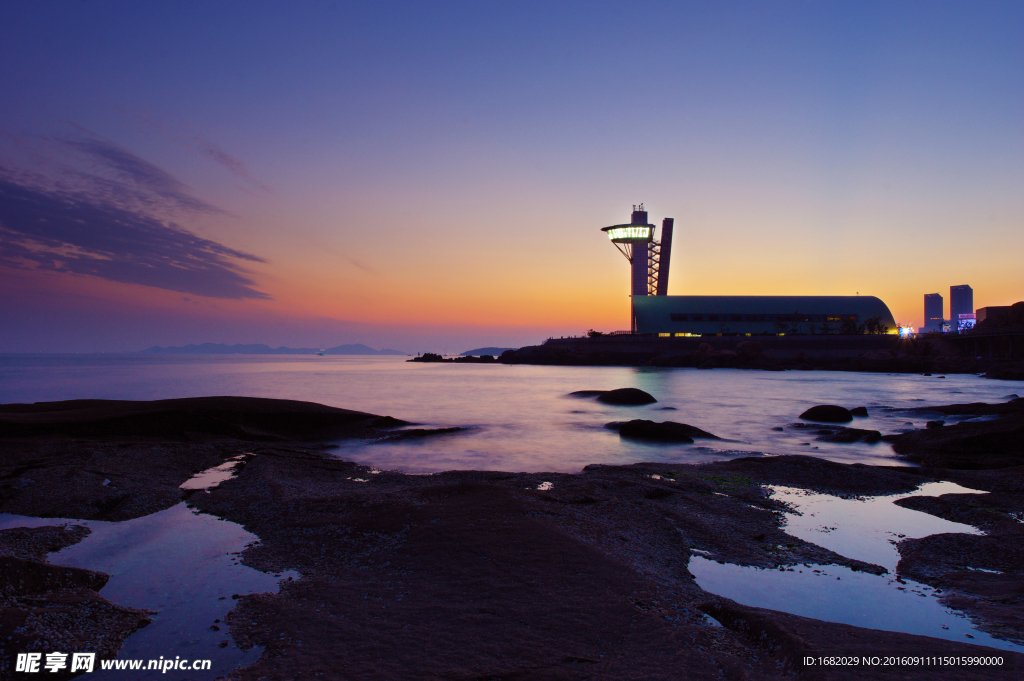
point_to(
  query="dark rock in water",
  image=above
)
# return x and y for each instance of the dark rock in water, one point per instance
(969, 445)
(828, 413)
(859, 411)
(667, 409)
(847, 435)
(641, 429)
(462, 359)
(843, 434)
(778, 428)
(427, 357)
(419, 433)
(667, 431)
(184, 419)
(626, 397)
(935, 424)
(926, 374)
(587, 393)
(1011, 396)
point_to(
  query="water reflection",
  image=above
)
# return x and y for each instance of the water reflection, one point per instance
(522, 419)
(213, 477)
(838, 594)
(865, 528)
(180, 563)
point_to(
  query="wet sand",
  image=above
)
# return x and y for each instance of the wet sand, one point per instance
(474, 575)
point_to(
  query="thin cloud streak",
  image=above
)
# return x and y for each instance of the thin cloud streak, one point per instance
(149, 181)
(230, 162)
(74, 233)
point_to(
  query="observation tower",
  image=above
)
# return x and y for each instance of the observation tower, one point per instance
(648, 258)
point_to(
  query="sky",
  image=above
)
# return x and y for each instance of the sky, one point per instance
(434, 176)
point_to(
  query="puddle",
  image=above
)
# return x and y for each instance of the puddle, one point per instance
(856, 598)
(179, 563)
(866, 528)
(212, 477)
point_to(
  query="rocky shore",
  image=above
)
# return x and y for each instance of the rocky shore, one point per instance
(884, 354)
(479, 575)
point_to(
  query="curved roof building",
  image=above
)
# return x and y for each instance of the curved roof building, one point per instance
(760, 314)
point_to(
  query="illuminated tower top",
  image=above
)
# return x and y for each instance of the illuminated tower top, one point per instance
(649, 259)
(637, 231)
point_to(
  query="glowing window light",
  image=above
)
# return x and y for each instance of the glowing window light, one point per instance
(641, 232)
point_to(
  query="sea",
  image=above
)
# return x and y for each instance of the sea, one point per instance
(518, 417)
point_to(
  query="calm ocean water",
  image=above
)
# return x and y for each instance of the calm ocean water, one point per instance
(520, 416)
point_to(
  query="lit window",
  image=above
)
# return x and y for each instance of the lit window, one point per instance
(630, 233)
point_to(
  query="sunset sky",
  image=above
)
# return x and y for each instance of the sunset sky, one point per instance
(433, 176)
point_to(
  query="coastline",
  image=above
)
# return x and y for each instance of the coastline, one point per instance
(866, 353)
(466, 573)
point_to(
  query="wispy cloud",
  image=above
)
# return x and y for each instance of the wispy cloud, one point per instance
(134, 176)
(228, 161)
(187, 136)
(79, 233)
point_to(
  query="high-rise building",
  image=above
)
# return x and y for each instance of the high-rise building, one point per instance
(932, 312)
(961, 301)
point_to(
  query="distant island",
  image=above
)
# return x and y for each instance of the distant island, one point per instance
(496, 352)
(260, 349)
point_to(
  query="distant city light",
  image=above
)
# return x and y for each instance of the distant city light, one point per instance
(966, 322)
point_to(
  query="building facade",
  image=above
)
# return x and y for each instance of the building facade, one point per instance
(933, 318)
(756, 315)
(961, 301)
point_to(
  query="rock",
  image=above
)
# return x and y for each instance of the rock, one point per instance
(419, 433)
(1013, 372)
(750, 350)
(667, 431)
(778, 428)
(626, 397)
(427, 357)
(847, 435)
(181, 419)
(859, 411)
(935, 424)
(828, 413)
(969, 445)
(621, 396)
(705, 349)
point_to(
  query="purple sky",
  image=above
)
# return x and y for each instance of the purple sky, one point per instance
(433, 176)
